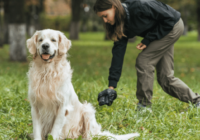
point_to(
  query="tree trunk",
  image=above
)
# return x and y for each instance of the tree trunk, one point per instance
(185, 30)
(1, 26)
(31, 20)
(76, 11)
(17, 30)
(6, 38)
(31, 29)
(199, 33)
(74, 30)
(184, 17)
(198, 18)
(33, 17)
(38, 11)
(17, 36)
(6, 18)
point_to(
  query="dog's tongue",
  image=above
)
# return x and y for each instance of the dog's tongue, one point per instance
(45, 56)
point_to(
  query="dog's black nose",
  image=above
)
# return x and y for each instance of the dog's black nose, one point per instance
(45, 46)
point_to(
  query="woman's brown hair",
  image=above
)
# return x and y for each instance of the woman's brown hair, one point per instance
(116, 31)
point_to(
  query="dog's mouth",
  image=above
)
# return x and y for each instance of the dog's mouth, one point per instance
(47, 56)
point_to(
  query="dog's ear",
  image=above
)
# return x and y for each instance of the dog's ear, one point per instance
(64, 44)
(31, 43)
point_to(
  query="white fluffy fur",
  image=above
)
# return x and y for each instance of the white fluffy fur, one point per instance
(55, 107)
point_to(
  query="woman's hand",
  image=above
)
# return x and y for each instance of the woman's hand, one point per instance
(141, 46)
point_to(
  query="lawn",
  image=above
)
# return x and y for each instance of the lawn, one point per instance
(90, 59)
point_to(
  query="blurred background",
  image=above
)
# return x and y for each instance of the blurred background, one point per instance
(19, 19)
(90, 58)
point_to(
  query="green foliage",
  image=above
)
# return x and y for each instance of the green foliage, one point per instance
(61, 23)
(90, 59)
(50, 137)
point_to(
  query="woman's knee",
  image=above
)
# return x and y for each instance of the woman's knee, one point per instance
(164, 79)
(141, 61)
(143, 68)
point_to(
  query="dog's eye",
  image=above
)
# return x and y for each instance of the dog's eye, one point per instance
(53, 40)
(40, 40)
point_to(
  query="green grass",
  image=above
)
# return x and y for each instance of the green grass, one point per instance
(90, 59)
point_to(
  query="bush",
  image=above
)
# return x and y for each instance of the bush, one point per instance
(61, 23)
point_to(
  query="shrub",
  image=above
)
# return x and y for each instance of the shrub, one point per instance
(61, 23)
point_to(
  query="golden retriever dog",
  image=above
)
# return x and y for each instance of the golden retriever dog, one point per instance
(55, 107)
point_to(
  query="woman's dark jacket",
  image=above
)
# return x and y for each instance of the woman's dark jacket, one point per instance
(149, 19)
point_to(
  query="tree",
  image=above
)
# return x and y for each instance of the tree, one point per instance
(89, 15)
(1, 26)
(17, 30)
(5, 20)
(33, 10)
(76, 13)
(198, 18)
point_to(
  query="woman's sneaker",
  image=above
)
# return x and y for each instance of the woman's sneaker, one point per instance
(143, 108)
(197, 105)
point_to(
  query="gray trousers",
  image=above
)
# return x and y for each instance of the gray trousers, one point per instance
(160, 55)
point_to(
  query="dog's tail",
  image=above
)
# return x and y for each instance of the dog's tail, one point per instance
(90, 124)
(119, 137)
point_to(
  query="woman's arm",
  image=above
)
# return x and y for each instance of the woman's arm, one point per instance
(118, 52)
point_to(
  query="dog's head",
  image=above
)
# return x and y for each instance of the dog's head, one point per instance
(48, 44)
